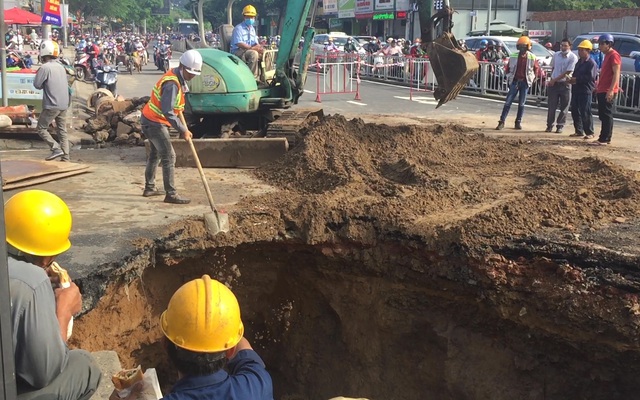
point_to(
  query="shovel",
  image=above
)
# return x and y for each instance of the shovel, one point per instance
(216, 221)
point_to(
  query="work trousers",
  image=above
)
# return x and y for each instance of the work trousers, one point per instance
(559, 97)
(46, 118)
(605, 114)
(519, 88)
(78, 381)
(161, 152)
(581, 113)
(252, 59)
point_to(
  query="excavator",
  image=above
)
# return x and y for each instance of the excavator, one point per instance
(226, 98)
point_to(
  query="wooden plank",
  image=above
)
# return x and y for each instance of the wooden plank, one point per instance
(17, 170)
(42, 179)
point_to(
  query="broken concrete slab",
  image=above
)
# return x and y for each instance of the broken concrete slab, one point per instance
(229, 153)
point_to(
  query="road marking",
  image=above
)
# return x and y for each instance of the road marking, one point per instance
(356, 103)
(308, 91)
(419, 99)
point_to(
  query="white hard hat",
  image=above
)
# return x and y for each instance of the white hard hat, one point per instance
(192, 60)
(49, 48)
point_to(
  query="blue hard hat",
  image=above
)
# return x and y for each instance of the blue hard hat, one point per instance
(607, 37)
(483, 42)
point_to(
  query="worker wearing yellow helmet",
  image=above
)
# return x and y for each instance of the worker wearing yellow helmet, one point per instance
(37, 226)
(205, 339)
(244, 41)
(583, 83)
(522, 70)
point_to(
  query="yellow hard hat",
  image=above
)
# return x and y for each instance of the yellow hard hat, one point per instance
(524, 40)
(203, 316)
(249, 11)
(37, 223)
(586, 44)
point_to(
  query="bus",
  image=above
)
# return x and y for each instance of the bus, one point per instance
(187, 26)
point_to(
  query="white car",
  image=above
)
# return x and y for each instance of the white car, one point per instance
(339, 39)
(509, 43)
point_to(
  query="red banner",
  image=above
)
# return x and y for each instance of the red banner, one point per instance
(51, 14)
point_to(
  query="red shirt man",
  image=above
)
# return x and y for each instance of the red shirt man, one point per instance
(607, 88)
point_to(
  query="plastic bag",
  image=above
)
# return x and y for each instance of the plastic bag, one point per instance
(147, 389)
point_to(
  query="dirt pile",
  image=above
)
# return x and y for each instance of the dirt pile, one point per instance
(447, 175)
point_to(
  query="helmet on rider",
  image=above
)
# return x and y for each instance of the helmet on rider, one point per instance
(606, 38)
(523, 42)
(586, 44)
(49, 48)
(203, 316)
(249, 11)
(37, 223)
(483, 43)
(192, 61)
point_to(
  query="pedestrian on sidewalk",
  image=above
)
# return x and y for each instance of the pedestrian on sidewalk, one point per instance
(522, 70)
(164, 110)
(583, 82)
(607, 88)
(51, 78)
(558, 88)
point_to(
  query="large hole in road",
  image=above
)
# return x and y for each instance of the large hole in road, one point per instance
(470, 274)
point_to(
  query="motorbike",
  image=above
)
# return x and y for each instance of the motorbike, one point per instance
(81, 65)
(107, 77)
(162, 58)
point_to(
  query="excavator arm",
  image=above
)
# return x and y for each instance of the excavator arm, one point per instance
(452, 65)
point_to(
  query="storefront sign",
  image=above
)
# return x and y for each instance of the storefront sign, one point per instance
(330, 6)
(335, 23)
(403, 5)
(51, 14)
(540, 32)
(364, 7)
(346, 8)
(401, 14)
(378, 17)
(385, 5)
(20, 86)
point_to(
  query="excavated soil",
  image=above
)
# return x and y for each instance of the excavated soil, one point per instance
(409, 262)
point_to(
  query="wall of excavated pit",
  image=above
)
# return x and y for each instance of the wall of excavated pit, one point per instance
(397, 320)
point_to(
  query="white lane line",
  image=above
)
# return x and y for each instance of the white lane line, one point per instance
(308, 91)
(356, 103)
(419, 99)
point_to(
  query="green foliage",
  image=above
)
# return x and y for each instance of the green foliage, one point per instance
(579, 5)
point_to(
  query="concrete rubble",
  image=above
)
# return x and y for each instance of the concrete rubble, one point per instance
(116, 121)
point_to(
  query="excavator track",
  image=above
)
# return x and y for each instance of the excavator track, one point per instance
(292, 123)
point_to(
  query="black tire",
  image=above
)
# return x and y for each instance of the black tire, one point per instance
(80, 73)
(165, 66)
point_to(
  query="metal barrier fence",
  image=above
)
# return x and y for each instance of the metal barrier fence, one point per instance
(337, 73)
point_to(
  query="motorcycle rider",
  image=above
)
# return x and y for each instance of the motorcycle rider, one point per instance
(93, 50)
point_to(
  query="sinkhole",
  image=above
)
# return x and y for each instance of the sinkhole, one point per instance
(393, 318)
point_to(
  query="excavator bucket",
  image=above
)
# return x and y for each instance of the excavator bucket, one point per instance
(452, 66)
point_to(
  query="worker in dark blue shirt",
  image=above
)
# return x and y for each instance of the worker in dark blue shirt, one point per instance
(205, 342)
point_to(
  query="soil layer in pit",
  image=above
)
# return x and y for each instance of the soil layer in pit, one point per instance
(410, 263)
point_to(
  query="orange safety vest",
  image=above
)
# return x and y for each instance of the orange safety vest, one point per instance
(153, 109)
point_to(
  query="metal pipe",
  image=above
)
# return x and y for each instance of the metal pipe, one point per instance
(230, 12)
(3, 56)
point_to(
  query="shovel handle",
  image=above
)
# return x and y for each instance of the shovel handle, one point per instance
(204, 178)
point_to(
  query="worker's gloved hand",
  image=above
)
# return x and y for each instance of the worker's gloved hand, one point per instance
(69, 300)
(187, 136)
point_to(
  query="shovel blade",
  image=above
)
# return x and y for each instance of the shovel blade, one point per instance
(216, 222)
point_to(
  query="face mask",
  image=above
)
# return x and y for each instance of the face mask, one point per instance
(250, 21)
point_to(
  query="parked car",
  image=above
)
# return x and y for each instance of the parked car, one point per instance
(365, 39)
(339, 39)
(509, 43)
(623, 43)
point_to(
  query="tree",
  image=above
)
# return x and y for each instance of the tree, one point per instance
(579, 5)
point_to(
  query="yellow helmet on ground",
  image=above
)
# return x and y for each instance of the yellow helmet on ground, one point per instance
(524, 40)
(586, 44)
(249, 11)
(203, 316)
(37, 223)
